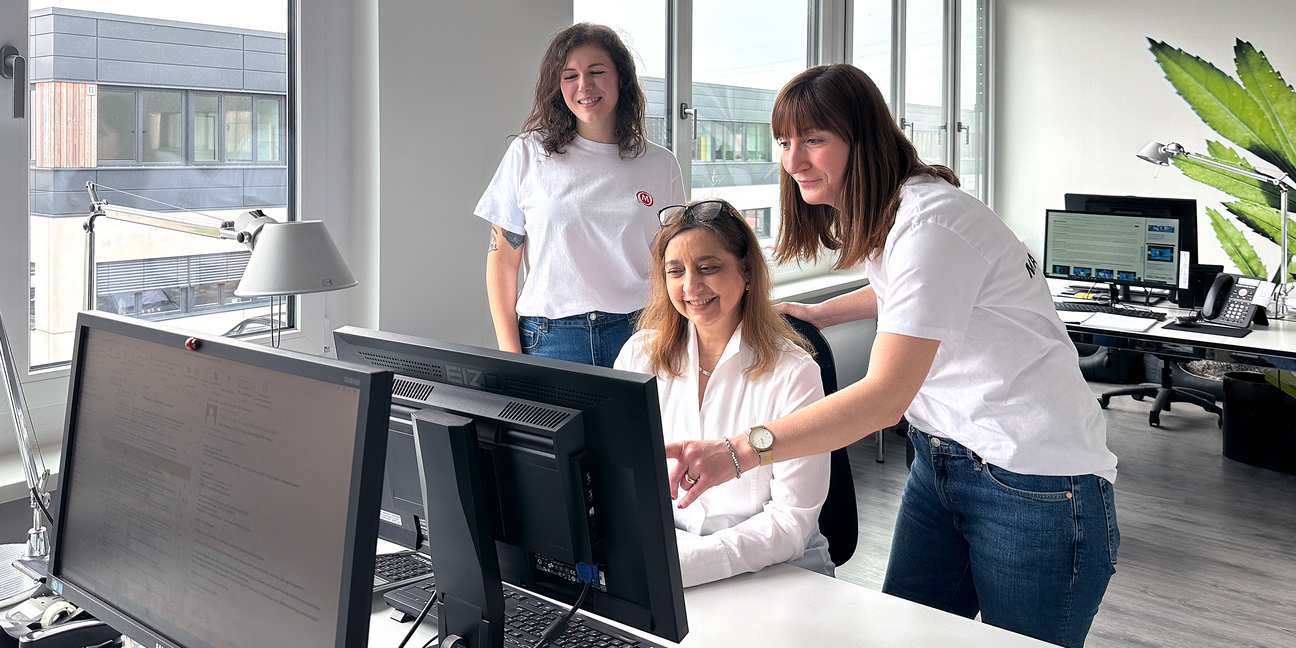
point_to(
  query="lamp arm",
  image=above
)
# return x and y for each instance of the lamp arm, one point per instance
(34, 469)
(1254, 175)
(175, 222)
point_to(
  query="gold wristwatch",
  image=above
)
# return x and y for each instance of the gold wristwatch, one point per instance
(762, 441)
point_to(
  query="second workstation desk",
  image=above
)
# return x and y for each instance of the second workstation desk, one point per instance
(797, 608)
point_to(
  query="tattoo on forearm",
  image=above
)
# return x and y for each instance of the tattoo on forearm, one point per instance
(492, 247)
(514, 240)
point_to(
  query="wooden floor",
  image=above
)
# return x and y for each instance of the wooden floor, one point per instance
(1208, 545)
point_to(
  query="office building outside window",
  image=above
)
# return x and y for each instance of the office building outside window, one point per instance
(182, 107)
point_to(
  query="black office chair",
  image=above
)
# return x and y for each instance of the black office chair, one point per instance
(1173, 388)
(839, 517)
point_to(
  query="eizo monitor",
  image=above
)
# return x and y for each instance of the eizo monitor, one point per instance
(1098, 250)
(1121, 241)
(641, 585)
(218, 494)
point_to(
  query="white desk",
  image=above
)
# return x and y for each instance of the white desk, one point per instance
(805, 609)
(1269, 346)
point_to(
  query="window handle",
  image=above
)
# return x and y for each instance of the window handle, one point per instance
(686, 112)
(967, 133)
(905, 123)
(15, 67)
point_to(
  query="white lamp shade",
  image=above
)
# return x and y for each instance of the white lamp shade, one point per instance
(1155, 153)
(292, 259)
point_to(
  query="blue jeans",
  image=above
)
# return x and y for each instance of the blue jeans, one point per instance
(1031, 553)
(593, 338)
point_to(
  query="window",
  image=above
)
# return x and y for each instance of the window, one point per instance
(170, 107)
(171, 287)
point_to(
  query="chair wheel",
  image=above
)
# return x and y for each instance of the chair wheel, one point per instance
(1154, 419)
(1137, 397)
(1103, 401)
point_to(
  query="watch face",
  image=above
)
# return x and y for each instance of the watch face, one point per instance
(761, 439)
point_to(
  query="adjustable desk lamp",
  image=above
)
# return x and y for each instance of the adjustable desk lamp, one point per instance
(1158, 153)
(291, 258)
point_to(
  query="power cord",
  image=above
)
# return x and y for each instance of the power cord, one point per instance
(41, 504)
(559, 625)
(419, 619)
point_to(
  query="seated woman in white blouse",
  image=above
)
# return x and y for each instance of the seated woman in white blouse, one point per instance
(726, 360)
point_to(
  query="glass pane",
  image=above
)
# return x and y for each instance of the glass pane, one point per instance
(162, 133)
(238, 129)
(972, 99)
(642, 26)
(924, 71)
(741, 59)
(140, 110)
(115, 126)
(206, 118)
(267, 126)
(871, 42)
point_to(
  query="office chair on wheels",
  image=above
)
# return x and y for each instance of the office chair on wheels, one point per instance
(1170, 390)
(839, 517)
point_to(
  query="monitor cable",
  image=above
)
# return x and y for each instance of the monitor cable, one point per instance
(559, 625)
(419, 619)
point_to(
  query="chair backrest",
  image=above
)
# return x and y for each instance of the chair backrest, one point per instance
(839, 517)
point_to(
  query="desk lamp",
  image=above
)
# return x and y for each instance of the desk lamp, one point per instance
(15, 583)
(1158, 153)
(292, 258)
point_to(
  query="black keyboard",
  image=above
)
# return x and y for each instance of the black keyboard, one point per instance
(525, 619)
(394, 570)
(1083, 307)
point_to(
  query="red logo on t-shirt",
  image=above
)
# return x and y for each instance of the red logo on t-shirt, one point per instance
(645, 198)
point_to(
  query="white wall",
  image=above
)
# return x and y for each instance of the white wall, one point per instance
(455, 79)
(1079, 93)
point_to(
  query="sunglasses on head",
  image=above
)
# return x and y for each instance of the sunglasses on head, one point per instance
(702, 211)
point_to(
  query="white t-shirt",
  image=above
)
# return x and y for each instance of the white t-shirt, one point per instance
(1005, 381)
(769, 516)
(589, 217)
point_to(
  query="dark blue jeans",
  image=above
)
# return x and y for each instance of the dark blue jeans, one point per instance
(592, 338)
(1031, 553)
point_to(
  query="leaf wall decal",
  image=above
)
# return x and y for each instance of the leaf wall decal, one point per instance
(1236, 246)
(1274, 97)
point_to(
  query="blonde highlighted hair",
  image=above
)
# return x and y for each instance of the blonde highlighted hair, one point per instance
(763, 329)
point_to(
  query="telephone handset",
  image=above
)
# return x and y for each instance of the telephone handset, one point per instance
(1231, 300)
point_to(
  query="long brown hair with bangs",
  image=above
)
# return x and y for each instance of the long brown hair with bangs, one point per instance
(763, 329)
(555, 123)
(841, 99)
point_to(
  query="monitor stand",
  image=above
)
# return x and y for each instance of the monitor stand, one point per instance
(1121, 293)
(469, 597)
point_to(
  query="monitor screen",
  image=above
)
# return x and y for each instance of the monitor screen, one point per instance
(219, 496)
(1123, 249)
(642, 587)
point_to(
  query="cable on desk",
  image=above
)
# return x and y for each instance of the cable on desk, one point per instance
(419, 619)
(560, 624)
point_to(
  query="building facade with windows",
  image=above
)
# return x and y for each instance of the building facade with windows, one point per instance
(175, 116)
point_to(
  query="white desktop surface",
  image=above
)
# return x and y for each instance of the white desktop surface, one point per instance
(797, 608)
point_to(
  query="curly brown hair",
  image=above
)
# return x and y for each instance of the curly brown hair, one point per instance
(843, 100)
(763, 328)
(554, 122)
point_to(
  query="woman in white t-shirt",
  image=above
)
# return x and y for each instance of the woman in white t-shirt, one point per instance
(573, 202)
(1008, 510)
(724, 360)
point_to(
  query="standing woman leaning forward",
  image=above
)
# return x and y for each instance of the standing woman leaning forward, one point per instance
(576, 198)
(1008, 510)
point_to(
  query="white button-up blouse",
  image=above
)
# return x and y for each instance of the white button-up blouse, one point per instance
(769, 516)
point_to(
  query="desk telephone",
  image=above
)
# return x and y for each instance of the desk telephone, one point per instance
(1231, 300)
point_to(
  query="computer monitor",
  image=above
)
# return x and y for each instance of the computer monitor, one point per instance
(218, 494)
(623, 446)
(1121, 241)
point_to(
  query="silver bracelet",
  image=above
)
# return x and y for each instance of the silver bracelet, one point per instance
(733, 455)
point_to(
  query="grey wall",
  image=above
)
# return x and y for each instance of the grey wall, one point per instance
(456, 80)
